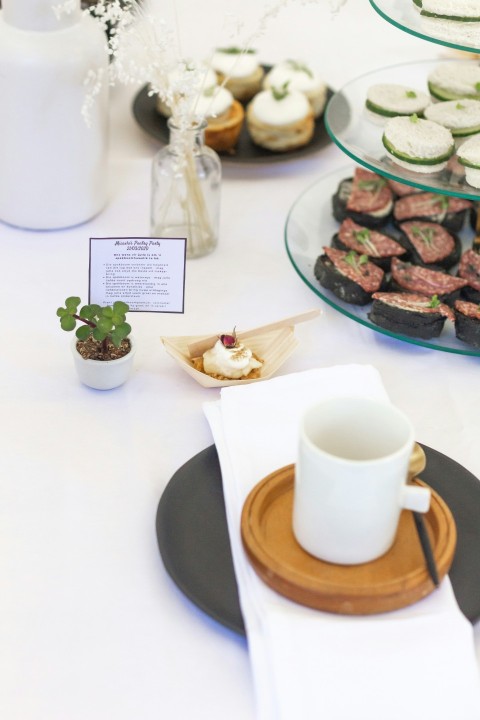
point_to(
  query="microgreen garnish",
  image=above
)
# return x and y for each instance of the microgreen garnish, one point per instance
(374, 185)
(426, 235)
(279, 93)
(236, 51)
(300, 67)
(363, 237)
(441, 200)
(209, 91)
(229, 341)
(434, 302)
(459, 106)
(477, 86)
(356, 261)
(414, 118)
(411, 94)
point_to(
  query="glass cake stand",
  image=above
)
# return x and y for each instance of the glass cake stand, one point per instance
(310, 226)
(359, 137)
(403, 15)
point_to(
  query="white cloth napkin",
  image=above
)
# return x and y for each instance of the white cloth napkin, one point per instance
(417, 662)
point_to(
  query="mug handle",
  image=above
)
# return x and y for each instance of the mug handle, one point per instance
(415, 498)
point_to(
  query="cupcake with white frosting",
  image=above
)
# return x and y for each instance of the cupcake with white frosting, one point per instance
(191, 75)
(299, 77)
(224, 116)
(239, 70)
(280, 120)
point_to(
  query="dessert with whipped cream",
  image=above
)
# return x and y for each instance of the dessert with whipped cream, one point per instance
(280, 119)
(239, 71)
(299, 77)
(229, 359)
(224, 116)
(199, 78)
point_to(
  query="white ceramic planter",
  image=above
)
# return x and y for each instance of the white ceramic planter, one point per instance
(103, 374)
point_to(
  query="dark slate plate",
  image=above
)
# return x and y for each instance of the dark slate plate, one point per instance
(146, 115)
(195, 548)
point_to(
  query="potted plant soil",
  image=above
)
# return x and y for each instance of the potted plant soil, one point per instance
(102, 349)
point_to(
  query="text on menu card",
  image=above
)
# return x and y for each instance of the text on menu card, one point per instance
(146, 273)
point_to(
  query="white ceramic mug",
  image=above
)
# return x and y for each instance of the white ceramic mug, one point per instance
(350, 479)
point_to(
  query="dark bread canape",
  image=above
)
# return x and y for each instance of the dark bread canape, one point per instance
(469, 269)
(424, 281)
(377, 245)
(467, 322)
(410, 314)
(430, 244)
(366, 198)
(450, 212)
(350, 276)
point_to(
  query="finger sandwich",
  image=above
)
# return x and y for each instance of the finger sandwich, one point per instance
(455, 80)
(469, 156)
(461, 117)
(457, 10)
(389, 100)
(419, 145)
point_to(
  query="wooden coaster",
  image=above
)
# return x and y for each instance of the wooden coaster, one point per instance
(398, 578)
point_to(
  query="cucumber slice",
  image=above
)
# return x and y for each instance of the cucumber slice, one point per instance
(384, 112)
(457, 18)
(464, 132)
(416, 160)
(468, 164)
(441, 94)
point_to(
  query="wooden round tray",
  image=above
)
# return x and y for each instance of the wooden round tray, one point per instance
(398, 578)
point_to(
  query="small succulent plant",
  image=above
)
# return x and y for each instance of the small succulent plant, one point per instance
(104, 324)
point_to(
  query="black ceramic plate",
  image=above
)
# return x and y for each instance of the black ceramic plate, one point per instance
(246, 151)
(194, 544)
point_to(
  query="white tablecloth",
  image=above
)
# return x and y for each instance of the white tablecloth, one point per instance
(91, 626)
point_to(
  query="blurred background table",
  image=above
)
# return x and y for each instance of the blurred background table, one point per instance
(91, 626)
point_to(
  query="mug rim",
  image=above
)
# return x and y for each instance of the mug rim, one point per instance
(409, 442)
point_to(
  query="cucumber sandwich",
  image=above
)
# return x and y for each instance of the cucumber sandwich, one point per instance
(416, 144)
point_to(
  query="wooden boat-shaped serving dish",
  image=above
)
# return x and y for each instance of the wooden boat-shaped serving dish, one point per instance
(273, 344)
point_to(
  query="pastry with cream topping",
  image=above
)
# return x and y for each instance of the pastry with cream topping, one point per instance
(229, 359)
(239, 71)
(198, 76)
(299, 77)
(224, 116)
(280, 120)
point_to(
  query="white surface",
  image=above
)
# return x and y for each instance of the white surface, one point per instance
(91, 626)
(291, 647)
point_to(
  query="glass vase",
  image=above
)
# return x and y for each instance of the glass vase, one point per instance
(186, 179)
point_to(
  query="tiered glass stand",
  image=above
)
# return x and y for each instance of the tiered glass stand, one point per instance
(404, 15)
(310, 225)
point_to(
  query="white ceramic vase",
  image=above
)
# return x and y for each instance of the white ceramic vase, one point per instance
(53, 169)
(103, 374)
